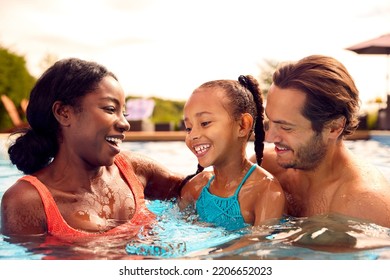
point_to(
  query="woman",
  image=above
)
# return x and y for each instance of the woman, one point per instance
(78, 182)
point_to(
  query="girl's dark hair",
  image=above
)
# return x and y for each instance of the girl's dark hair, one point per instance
(68, 81)
(252, 85)
(245, 97)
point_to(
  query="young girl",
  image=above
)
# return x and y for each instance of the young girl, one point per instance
(219, 118)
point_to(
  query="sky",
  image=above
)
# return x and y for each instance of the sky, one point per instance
(167, 48)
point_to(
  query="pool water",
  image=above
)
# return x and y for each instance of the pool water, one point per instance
(180, 235)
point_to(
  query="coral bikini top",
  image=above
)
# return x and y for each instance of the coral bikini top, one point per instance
(58, 227)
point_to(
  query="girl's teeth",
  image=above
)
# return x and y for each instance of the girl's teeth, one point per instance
(201, 148)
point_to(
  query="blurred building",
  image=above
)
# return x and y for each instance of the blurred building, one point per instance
(139, 113)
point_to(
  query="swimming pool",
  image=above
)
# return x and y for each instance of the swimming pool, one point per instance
(180, 235)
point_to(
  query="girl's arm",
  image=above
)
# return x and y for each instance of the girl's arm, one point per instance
(191, 190)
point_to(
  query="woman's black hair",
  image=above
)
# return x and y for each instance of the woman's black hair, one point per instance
(67, 81)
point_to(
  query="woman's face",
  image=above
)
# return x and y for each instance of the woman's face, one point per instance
(99, 126)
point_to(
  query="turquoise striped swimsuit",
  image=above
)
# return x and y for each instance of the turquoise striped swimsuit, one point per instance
(222, 211)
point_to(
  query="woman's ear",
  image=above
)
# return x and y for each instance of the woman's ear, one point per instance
(62, 113)
(246, 124)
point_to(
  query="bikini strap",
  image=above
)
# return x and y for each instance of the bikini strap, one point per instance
(207, 186)
(253, 167)
(54, 220)
(125, 166)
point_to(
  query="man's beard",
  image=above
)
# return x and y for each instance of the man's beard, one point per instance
(308, 156)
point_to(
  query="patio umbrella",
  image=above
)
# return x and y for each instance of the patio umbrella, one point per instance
(379, 45)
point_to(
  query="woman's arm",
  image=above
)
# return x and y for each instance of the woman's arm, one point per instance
(159, 182)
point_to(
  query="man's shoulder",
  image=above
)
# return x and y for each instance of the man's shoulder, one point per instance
(363, 181)
(270, 164)
(364, 176)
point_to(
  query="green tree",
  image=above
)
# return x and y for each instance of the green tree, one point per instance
(15, 82)
(267, 69)
(168, 111)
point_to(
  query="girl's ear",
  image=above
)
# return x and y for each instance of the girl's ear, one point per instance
(246, 124)
(62, 113)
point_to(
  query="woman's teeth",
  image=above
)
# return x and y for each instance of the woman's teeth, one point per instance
(114, 140)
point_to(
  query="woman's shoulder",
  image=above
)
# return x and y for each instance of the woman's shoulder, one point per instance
(21, 192)
(19, 201)
(128, 156)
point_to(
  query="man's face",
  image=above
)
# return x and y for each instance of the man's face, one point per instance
(297, 145)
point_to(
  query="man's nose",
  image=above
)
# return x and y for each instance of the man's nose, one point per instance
(271, 134)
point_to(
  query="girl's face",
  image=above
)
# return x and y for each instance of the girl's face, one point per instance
(100, 126)
(211, 131)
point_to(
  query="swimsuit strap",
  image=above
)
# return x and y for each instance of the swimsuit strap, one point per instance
(222, 211)
(253, 167)
(54, 220)
(207, 186)
(125, 166)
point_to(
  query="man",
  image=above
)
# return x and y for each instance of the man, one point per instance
(311, 105)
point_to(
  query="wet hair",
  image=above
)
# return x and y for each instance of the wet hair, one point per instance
(244, 96)
(330, 90)
(67, 81)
